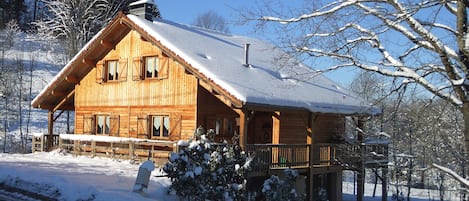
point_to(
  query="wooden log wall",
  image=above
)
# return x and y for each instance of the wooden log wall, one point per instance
(326, 126)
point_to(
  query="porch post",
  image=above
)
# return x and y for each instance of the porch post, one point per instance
(310, 184)
(276, 128)
(384, 183)
(243, 129)
(50, 129)
(361, 163)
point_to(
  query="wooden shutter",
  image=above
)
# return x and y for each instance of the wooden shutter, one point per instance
(88, 124)
(122, 70)
(137, 69)
(114, 130)
(175, 130)
(164, 67)
(142, 126)
(100, 72)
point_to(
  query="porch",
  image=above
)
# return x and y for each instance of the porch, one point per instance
(266, 157)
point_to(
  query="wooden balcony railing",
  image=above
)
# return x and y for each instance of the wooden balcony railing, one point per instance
(278, 156)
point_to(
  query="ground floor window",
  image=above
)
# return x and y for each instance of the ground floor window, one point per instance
(159, 126)
(103, 124)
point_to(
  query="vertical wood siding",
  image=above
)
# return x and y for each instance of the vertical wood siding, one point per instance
(129, 98)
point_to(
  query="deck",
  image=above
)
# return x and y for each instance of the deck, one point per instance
(265, 156)
(304, 156)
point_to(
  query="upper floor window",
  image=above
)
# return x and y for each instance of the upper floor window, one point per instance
(150, 67)
(112, 70)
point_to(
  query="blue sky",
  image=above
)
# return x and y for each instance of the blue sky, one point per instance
(185, 11)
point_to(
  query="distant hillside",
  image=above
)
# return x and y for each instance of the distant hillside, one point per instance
(45, 58)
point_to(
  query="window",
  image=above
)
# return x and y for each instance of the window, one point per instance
(159, 126)
(224, 126)
(103, 124)
(151, 67)
(112, 70)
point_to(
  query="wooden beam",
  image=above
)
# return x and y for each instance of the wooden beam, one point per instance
(64, 100)
(58, 93)
(72, 79)
(88, 62)
(107, 44)
(227, 101)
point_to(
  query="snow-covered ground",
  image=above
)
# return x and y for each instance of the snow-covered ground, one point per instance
(67, 177)
(70, 178)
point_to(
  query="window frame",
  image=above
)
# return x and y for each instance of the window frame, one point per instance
(115, 77)
(106, 122)
(156, 71)
(163, 118)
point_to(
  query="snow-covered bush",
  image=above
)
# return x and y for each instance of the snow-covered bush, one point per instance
(276, 189)
(206, 171)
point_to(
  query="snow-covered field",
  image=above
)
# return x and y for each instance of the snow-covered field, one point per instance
(67, 177)
(70, 178)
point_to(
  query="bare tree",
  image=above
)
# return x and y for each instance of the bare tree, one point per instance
(211, 20)
(74, 21)
(417, 42)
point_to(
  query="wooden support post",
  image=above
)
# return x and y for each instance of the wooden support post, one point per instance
(93, 148)
(276, 128)
(131, 150)
(243, 129)
(361, 163)
(60, 143)
(310, 174)
(50, 129)
(384, 185)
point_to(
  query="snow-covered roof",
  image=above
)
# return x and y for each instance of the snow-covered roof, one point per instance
(142, 2)
(272, 78)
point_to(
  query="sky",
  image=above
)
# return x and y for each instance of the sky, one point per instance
(185, 12)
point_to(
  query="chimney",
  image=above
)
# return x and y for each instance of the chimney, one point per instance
(246, 55)
(144, 8)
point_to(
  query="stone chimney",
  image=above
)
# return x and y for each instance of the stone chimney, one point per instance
(145, 9)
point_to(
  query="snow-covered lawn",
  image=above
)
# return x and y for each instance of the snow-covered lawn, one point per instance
(70, 178)
(79, 178)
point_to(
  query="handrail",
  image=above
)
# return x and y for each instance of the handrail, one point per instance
(274, 156)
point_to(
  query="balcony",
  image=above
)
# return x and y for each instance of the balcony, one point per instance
(298, 156)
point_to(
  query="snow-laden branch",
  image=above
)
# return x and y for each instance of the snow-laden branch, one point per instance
(403, 72)
(453, 174)
(313, 14)
(433, 43)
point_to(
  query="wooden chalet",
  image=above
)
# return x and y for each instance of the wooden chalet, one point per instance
(151, 82)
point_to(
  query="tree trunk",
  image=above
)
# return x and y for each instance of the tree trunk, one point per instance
(465, 112)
